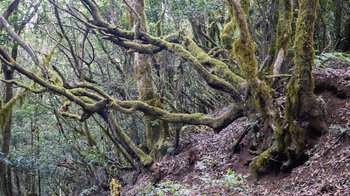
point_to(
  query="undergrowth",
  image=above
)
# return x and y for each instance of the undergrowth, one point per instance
(230, 182)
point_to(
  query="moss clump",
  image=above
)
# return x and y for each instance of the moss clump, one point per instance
(115, 187)
(243, 51)
(262, 159)
(228, 35)
(243, 48)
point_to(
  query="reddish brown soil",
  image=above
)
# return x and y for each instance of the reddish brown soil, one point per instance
(204, 153)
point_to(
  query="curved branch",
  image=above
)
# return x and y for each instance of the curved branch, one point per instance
(72, 116)
(15, 37)
(217, 123)
(54, 88)
(212, 80)
(34, 90)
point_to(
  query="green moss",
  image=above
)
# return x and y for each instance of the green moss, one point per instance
(217, 67)
(261, 160)
(231, 31)
(286, 26)
(301, 104)
(145, 159)
(243, 52)
(228, 35)
(245, 6)
(5, 110)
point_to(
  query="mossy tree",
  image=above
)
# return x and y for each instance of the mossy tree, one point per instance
(304, 117)
(157, 132)
(6, 115)
(241, 85)
(285, 36)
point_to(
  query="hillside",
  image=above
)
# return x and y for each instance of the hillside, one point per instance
(204, 156)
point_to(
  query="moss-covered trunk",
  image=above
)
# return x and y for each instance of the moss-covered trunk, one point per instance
(6, 121)
(302, 111)
(156, 131)
(285, 35)
(243, 52)
(5, 173)
(303, 119)
(267, 69)
(280, 38)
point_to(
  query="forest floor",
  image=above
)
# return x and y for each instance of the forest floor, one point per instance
(205, 163)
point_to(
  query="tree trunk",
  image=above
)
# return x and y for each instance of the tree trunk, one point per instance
(155, 130)
(32, 173)
(338, 21)
(4, 170)
(5, 174)
(303, 114)
(85, 128)
(268, 69)
(20, 182)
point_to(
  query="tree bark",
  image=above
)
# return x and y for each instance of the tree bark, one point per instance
(5, 173)
(304, 117)
(338, 21)
(4, 170)
(156, 130)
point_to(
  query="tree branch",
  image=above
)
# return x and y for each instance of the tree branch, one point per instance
(15, 37)
(34, 90)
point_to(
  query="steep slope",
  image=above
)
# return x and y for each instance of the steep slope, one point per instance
(204, 161)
